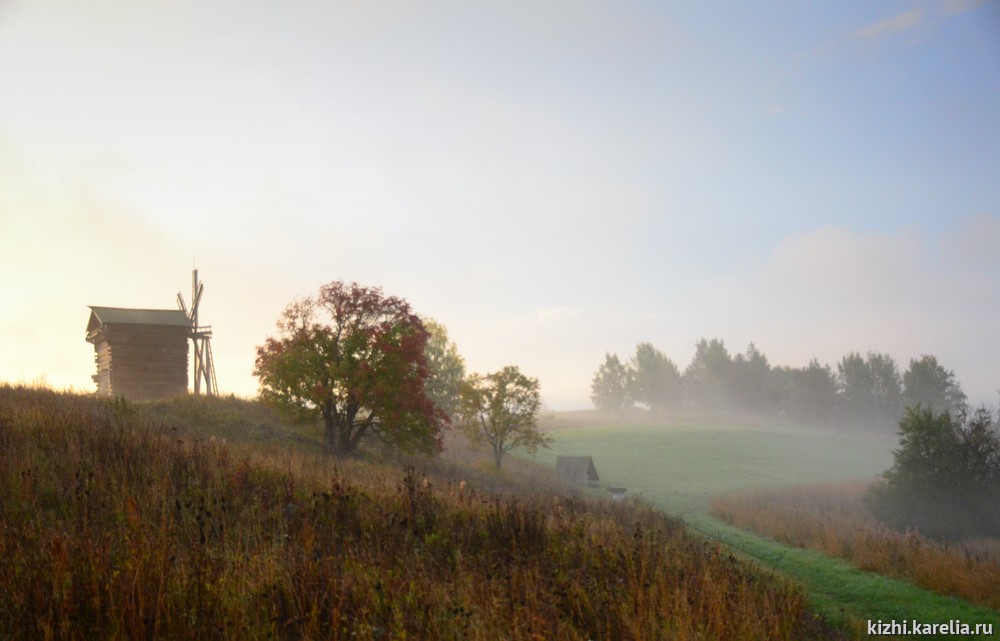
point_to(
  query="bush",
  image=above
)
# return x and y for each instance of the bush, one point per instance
(944, 478)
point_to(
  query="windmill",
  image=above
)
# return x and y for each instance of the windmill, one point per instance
(201, 337)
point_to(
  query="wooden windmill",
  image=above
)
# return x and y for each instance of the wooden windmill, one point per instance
(201, 338)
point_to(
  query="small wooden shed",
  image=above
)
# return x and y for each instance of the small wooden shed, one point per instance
(141, 354)
(617, 493)
(577, 469)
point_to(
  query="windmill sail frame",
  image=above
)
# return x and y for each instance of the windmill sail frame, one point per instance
(200, 335)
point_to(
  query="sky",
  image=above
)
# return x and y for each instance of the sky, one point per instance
(550, 180)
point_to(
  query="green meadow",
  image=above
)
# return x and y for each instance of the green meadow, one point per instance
(681, 467)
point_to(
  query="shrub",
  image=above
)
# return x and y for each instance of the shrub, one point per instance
(944, 478)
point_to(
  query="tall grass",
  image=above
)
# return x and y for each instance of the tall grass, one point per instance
(832, 519)
(116, 523)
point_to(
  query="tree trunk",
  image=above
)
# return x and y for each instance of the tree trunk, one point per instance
(342, 434)
(338, 434)
(329, 432)
(344, 444)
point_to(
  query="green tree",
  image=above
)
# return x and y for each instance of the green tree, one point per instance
(981, 452)
(447, 369)
(356, 360)
(857, 388)
(751, 381)
(929, 384)
(887, 387)
(655, 380)
(501, 410)
(870, 389)
(609, 389)
(944, 477)
(810, 393)
(708, 378)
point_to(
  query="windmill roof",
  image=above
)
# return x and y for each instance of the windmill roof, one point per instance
(124, 316)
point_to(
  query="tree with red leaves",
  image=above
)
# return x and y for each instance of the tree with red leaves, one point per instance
(355, 359)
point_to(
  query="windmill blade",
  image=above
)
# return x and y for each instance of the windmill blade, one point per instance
(180, 303)
(204, 366)
(211, 385)
(197, 299)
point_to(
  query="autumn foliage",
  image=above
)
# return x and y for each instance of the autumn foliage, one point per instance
(354, 359)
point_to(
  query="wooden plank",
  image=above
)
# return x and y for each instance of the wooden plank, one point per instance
(141, 361)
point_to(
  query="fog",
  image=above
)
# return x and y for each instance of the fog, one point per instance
(550, 183)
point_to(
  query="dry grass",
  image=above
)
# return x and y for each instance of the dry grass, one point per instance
(832, 520)
(115, 526)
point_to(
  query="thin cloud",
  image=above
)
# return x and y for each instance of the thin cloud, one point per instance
(891, 25)
(557, 313)
(547, 316)
(960, 6)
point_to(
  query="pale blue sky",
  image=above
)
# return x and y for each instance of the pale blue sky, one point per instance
(549, 180)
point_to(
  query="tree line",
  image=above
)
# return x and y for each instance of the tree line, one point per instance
(863, 391)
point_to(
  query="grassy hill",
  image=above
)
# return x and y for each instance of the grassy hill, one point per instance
(212, 519)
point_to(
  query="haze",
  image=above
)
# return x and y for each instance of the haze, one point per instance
(551, 181)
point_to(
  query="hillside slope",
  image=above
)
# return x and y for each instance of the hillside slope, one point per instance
(118, 523)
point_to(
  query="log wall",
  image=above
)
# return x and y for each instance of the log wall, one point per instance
(141, 362)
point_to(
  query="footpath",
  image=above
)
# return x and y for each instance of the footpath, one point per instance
(852, 598)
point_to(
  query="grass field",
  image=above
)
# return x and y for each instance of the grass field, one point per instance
(681, 467)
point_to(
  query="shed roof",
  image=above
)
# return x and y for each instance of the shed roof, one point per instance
(578, 469)
(121, 315)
